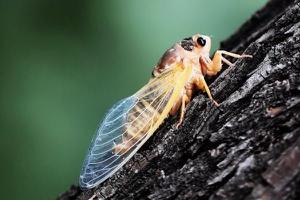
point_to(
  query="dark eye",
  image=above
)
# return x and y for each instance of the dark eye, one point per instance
(201, 41)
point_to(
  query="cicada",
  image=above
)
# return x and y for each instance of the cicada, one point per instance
(132, 121)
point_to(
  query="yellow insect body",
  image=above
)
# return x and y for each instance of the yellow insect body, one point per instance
(131, 121)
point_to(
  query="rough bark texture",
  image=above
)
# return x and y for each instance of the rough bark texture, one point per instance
(249, 147)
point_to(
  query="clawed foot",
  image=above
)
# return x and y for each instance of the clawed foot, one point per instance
(178, 124)
(216, 103)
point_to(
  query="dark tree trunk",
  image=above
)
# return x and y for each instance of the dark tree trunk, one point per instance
(249, 147)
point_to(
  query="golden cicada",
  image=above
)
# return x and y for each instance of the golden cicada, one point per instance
(131, 121)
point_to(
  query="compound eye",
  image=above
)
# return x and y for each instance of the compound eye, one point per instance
(201, 41)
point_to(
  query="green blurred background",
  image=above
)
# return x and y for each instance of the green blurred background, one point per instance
(65, 62)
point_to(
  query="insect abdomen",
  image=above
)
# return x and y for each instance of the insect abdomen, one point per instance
(139, 119)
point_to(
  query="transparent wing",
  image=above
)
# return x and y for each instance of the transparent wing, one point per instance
(126, 127)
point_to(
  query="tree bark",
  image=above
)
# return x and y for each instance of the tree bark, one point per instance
(249, 147)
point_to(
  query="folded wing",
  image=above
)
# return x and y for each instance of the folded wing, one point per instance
(128, 124)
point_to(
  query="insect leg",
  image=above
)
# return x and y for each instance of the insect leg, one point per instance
(176, 106)
(216, 65)
(184, 101)
(201, 84)
(227, 61)
(93, 197)
(234, 55)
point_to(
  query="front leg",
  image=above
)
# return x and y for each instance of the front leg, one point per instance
(214, 66)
